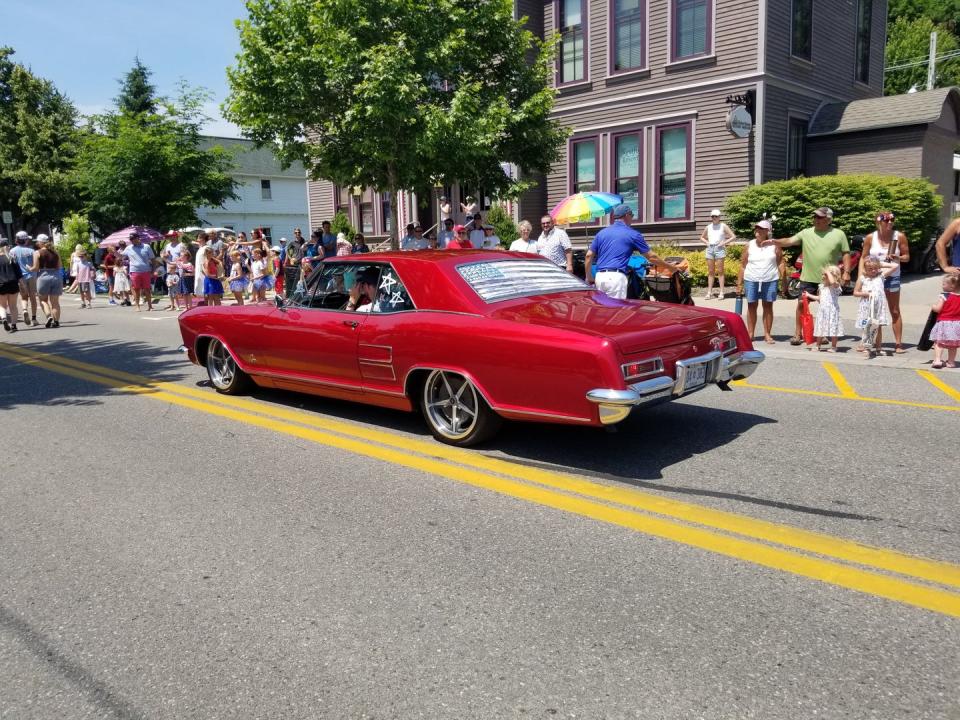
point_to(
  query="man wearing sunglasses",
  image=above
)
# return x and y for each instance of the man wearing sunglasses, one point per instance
(554, 244)
(821, 245)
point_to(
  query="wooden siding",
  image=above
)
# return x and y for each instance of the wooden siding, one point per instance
(735, 52)
(779, 106)
(938, 149)
(321, 202)
(834, 46)
(721, 164)
(898, 151)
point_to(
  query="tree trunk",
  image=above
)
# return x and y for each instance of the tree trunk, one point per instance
(394, 220)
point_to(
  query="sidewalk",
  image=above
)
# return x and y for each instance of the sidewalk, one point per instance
(917, 294)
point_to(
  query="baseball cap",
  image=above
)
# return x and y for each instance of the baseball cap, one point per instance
(763, 224)
(715, 213)
(459, 228)
(824, 212)
(448, 221)
(41, 238)
(4, 242)
(23, 235)
(621, 210)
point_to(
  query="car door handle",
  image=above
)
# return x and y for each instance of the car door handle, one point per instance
(351, 323)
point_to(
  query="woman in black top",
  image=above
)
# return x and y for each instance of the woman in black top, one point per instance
(10, 275)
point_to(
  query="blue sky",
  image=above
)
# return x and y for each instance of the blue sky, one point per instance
(85, 46)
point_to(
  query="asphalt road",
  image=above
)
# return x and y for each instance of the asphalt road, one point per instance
(790, 549)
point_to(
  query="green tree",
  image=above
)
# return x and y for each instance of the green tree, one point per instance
(149, 168)
(137, 95)
(38, 146)
(908, 41)
(76, 231)
(504, 227)
(396, 94)
(941, 12)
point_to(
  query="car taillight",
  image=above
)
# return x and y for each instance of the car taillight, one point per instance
(724, 345)
(642, 368)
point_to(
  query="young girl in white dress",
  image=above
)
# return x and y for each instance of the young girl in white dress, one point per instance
(873, 312)
(828, 323)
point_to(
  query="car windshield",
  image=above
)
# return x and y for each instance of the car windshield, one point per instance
(504, 279)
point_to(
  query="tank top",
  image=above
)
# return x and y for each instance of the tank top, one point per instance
(714, 233)
(761, 263)
(951, 307)
(955, 251)
(49, 260)
(881, 253)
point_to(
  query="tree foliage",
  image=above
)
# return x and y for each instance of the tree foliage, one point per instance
(504, 227)
(76, 231)
(909, 41)
(855, 200)
(940, 12)
(149, 168)
(137, 94)
(396, 94)
(38, 145)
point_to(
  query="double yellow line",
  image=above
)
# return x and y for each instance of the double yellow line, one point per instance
(884, 573)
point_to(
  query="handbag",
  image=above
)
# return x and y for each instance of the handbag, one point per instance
(925, 343)
(806, 322)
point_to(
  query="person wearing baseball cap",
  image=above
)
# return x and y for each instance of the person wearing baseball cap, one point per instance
(445, 235)
(24, 255)
(461, 239)
(716, 236)
(821, 245)
(759, 273)
(612, 247)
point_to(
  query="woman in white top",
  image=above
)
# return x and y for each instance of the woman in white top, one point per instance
(759, 273)
(716, 236)
(524, 243)
(888, 246)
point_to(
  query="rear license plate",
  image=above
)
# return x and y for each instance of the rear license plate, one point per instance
(696, 376)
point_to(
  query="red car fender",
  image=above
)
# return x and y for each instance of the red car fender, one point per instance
(734, 323)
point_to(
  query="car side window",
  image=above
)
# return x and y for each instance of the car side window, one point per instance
(392, 296)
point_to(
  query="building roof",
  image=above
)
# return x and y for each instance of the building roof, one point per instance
(251, 160)
(917, 108)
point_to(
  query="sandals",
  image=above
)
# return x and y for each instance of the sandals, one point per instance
(951, 365)
(796, 341)
(899, 350)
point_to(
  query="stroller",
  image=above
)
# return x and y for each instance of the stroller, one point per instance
(673, 288)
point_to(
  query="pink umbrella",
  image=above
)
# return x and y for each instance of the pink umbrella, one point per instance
(146, 234)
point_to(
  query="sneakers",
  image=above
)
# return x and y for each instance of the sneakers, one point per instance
(33, 322)
(112, 301)
(13, 328)
(49, 322)
(6, 325)
(56, 323)
(26, 317)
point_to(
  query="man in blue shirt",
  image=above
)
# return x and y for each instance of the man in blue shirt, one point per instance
(613, 246)
(328, 240)
(23, 254)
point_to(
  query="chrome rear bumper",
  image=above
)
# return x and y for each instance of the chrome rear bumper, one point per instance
(615, 405)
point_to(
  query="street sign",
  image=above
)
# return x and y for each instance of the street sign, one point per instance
(7, 217)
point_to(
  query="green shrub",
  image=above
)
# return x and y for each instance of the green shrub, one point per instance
(341, 224)
(855, 200)
(76, 231)
(504, 227)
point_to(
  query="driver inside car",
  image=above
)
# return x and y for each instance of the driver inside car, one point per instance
(363, 294)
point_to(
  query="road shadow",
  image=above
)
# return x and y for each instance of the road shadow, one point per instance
(27, 384)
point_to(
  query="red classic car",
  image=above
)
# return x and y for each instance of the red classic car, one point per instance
(469, 337)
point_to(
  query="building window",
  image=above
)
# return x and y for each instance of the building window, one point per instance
(673, 172)
(584, 173)
(864, 23)
(480, 196)
(265, 192)
(627, 162)
(627, 25)
(366, 217)
(387, 221)
(267, 235)
(341, 198)
(801, 29)
(796, 148)
(573, 40)
(691, 28)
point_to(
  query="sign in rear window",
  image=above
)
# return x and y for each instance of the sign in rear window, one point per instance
(504, 279)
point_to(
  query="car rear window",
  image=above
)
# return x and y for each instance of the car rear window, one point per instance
(505, 279)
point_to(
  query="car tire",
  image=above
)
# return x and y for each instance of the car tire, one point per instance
(455, 411)
(223, 372)
(793, 288)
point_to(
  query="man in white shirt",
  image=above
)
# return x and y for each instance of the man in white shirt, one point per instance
(445, 235)
(416, 240)
(476, 231)
(199, 262)
(554, 244)
(490, 241)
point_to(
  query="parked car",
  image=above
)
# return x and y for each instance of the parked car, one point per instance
(470, 338)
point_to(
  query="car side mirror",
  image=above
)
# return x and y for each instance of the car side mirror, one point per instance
(281, 305)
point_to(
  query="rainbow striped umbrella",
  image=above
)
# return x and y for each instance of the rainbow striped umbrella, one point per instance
(584, 206)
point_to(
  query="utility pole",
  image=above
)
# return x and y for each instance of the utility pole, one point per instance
(932, 65)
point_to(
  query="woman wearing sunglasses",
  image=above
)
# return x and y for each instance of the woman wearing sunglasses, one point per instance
(888, 245)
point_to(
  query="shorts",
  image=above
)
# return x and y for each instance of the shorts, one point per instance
(715, 252)
(10, 288)
(212, 286)
(755, 290)
(612, 283)
(808, 287)
(83, 286)
(141, 280)
(187, 285)
(50, 285)
(28, 286)
(892, 284)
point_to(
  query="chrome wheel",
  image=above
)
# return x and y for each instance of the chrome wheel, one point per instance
(222, 369)
(451, 404)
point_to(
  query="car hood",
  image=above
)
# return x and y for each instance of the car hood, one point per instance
(634, 325)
